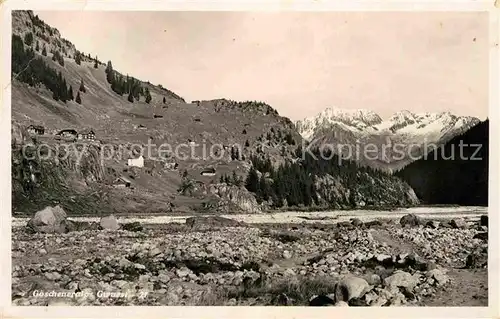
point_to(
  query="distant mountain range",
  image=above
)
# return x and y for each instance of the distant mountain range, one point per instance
(362, 127)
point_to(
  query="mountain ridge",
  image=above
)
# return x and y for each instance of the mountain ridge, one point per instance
(412, 130)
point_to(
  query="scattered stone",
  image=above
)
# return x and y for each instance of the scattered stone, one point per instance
(483, 221)
(401, 279)
(183, 272)
(351, 287)
(321, 300)
(109, 222)
(289, 272)
(434, 224)
(482, 236)
(478, 258)
(53, 275)
(287, 254)
(356, 302)
(344, 224)
(438, 275)
(73, 225)
(211, 222)
(134, 226)
(373, 279)
(373, 223)
(458, 223)
(410, 220)
(341, 304)
(356, 222)
(382, 257)
(284, 300)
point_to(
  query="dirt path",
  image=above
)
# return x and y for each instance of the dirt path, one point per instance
(468, 287)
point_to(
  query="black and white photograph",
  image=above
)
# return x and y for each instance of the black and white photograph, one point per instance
(250, 158)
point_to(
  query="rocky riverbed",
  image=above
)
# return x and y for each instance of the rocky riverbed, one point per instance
(217, 261)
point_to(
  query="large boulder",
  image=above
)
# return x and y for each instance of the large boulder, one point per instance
(351, 287)
(458, 223)
(109, 222)
(48, 220)
(410, 220)
(401, 279)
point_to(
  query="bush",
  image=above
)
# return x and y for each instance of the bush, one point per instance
(28, 38)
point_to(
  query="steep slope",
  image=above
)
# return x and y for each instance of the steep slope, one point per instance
(453, 174)
(337, 128)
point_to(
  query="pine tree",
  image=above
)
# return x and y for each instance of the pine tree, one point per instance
(164, 100)
(252, 181)
(37, 48)
(247, 143)
(236, 180)
(78, 98)
(82, 87)
(44, 51)
(148, 96)
(28, 38)
(130, 97)
(78, 57)
(96, 65)
(264, 188)
(58, 57)
(70, 93)
(110, 77)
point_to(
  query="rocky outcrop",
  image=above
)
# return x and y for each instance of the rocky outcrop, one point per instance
(239, 197)
(368, 190)
(61, 175)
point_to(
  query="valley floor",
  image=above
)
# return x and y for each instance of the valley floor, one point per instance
(251, 264)
(326, 217)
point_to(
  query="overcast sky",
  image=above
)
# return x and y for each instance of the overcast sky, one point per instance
(300, 63)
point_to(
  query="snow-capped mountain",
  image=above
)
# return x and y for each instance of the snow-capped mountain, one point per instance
(358, 120)
(410, 130)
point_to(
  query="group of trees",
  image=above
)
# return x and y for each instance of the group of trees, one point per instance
(58, 57)
(294, 182)
(234, 179)
(28, 68)
(126, 85)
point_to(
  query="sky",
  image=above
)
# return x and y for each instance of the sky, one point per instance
(298, 62)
